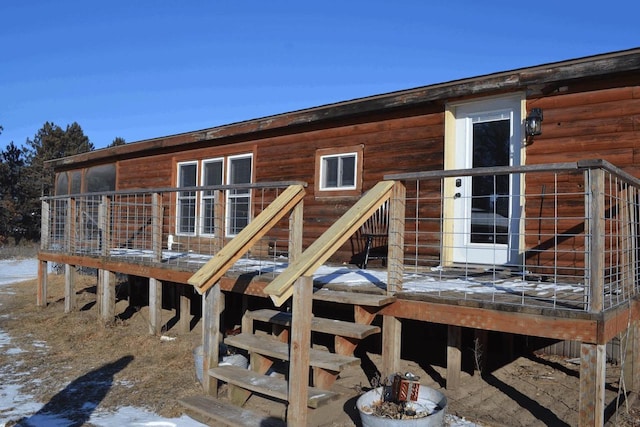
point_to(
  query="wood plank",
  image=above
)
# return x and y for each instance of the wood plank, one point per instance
(213, 409)
(353, 298)
(218, 265)
(318, 324)
(324, 247)
(269, 347)
(267, 385)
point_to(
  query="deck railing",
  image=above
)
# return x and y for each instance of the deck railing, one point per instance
(183, 228)
(559, 236)
(556, 235)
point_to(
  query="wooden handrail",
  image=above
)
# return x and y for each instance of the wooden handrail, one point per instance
(224, 259)
(281, 288)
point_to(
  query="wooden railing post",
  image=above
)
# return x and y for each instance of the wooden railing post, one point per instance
(71, 225)
(218, 220)
(595, 237)
(155, 285)
(43, 267)
(299, 351)
(156, 226)
(212, 308)
(295, 231)
(104, 225)
(391, 327)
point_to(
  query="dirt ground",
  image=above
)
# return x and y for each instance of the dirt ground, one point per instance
(153, 372)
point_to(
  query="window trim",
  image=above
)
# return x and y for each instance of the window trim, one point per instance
(178, 231)
(229, 196)
(204, 197)
(348, 191)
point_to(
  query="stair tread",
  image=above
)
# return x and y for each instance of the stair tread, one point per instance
(354, 298)
(270, 347)
(318, 324)
(267, 385)
(229, 414)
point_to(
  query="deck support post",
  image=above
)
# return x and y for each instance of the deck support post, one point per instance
(454, 356)
(43, 267)
(592, 384)
(107, 297)
(212, 308)
(631, 365)
(391, 340)
(43, 281)
(300, 347)
(155, 306)
(69, 285)
(184, 308)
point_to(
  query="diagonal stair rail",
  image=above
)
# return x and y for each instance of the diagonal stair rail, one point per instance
(281, 288)
(223, 260)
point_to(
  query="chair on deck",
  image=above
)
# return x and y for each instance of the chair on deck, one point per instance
(373, 238)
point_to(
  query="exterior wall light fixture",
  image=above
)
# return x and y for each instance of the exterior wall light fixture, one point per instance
(533, 122)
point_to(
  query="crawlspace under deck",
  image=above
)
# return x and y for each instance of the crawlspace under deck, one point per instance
(426, 297)
(494, 300)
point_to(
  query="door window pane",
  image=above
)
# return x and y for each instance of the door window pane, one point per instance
(490, 193)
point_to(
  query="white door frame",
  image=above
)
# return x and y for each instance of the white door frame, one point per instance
(459, 118)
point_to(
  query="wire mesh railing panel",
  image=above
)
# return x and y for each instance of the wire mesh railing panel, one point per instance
(181, 228)
(521, 236)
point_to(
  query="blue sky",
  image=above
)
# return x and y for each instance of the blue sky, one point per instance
(142, 69)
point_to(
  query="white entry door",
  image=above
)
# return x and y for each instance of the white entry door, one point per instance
(486, 208)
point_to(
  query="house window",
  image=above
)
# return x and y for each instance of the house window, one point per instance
(197, 210)
(211, 175)
(339, 171)
(187, 176)
(238, 199)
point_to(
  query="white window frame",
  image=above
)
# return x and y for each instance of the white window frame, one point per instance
(180, 198)
(204, 197)
(230, 198)
(323, 171)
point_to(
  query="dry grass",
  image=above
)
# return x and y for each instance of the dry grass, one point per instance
(129, 366)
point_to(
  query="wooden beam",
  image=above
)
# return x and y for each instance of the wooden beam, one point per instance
(299, 351)
(576, 329)
(155, 306)
(592, 383)
(223, 260)
(454, 356)
(323, 248)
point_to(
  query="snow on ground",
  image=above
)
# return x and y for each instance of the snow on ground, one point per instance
(15, 404)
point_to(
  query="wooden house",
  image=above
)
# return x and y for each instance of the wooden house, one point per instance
(459, 180)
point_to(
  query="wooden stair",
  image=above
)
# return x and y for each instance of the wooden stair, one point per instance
(267, 349)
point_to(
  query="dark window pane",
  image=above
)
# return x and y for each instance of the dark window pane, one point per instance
(76, 182)
(62, 184)
(348, 171)
(490, 193)
(330, 172)
(101, 178)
